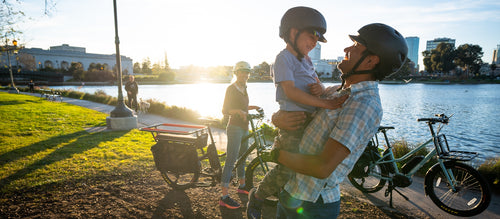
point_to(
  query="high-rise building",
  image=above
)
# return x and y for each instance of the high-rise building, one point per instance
(413, 43)
(323, 68)
(315, 54)
(432, 44)
(496, 56)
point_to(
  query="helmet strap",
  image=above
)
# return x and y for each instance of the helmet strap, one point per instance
(353, 70)
(296, 48)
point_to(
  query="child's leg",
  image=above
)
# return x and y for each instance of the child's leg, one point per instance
(276, 178)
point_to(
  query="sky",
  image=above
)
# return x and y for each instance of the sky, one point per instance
(223, 32)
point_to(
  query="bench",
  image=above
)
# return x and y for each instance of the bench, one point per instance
(51, 95)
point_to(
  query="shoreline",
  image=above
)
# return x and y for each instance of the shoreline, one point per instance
(45, 83)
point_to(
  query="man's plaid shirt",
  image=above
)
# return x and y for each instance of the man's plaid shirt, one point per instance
(353, 125)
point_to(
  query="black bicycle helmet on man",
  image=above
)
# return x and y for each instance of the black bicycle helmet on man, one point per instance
(385, 42)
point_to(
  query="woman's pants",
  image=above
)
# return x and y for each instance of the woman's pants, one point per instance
(234, 149)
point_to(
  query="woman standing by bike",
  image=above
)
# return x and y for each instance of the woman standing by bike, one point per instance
(236, 109)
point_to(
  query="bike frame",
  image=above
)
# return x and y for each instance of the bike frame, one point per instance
(259, 143)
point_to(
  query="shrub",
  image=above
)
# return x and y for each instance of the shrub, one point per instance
(269, 131)
(402, 147)
(491, 171)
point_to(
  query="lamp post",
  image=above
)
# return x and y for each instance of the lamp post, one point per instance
(13, 89)
(122, 117)
(121, 110)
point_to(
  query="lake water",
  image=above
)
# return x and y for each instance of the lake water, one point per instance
(475, 125)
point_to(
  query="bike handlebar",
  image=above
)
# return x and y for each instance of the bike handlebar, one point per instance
(441, 118)
(260, 114)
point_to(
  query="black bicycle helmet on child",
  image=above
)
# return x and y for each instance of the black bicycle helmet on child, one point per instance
(385, 42)
(303, 18)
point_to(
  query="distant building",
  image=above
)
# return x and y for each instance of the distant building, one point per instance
(496, 56)
(323, 68)
(315, 54)
(413, 43)
(432, 44)
(61, 57)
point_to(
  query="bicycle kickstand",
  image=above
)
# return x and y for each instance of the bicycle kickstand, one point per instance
(389, 190)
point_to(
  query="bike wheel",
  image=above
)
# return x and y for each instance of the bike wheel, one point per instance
(368, 183)
(213, 159)
(472, 195)
(180, 180)
(255, 173)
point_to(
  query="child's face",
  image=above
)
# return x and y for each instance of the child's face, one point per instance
(306, 41)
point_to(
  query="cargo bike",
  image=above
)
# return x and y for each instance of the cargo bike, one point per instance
(454, 186)
(185, 153)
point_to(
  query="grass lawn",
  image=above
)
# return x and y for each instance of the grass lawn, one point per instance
(43, 142)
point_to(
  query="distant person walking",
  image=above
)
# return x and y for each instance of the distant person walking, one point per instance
(132, 89)
(31, 85)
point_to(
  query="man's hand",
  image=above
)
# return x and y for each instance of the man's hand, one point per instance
(288, 120)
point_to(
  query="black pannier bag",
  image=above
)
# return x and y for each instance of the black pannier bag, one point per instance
(178, 153)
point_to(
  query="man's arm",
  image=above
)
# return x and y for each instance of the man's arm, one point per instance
(319, 166)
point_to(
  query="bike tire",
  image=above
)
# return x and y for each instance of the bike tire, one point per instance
(213, 159)
(255, 173)
(180, 181)
(472, 197)
(368, 183)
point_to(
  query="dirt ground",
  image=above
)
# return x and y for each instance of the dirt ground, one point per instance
(144, 196)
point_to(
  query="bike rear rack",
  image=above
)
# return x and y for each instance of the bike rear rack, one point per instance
(445, 152)
(160, 129)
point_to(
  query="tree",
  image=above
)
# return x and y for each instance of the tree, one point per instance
(137, 68)
(146, 66)
(92, 67)
(76, 69)
(468, 57)
(167, 66)
(157, 69)
(440, 59)
(11, 16)
(27, 61)
(262, 70)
